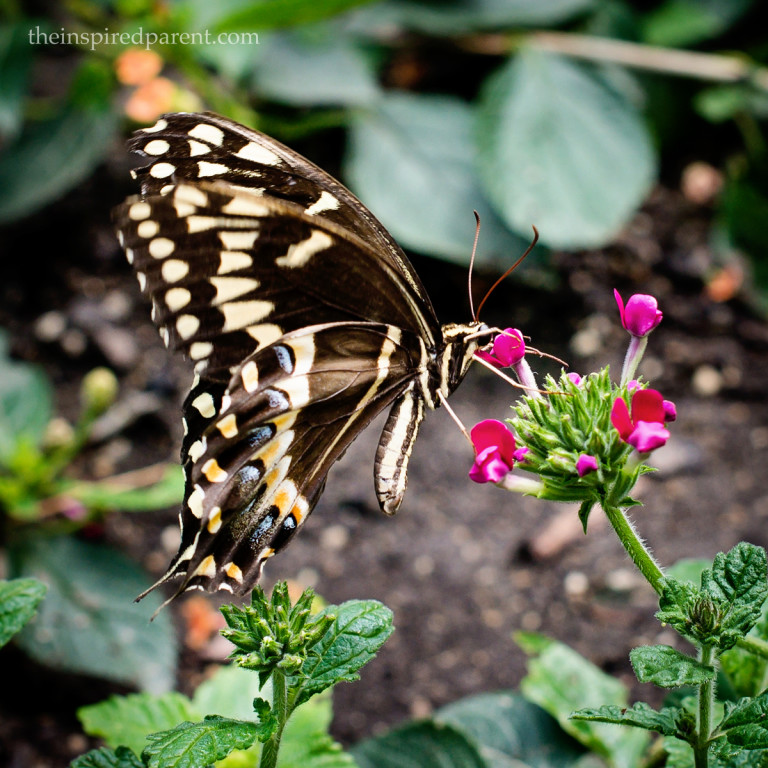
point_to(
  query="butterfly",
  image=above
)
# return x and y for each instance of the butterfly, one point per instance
(304, 320)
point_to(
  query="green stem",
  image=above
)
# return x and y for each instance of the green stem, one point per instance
(753, 645)
(640, 555)
(706, 699)
(280, 710)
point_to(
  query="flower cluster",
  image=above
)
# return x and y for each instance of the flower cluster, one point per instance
(588, 435)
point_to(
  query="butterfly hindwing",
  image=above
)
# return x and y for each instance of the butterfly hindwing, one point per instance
(289, 411)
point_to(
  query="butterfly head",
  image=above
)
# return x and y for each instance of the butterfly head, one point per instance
(462, 340)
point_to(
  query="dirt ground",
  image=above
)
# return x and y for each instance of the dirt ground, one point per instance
(462, 566)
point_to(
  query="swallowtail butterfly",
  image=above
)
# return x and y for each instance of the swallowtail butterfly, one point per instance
(304, 320)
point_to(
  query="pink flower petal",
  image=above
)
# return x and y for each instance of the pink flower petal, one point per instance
(641, 314)
(489, 466)
(509, 346)
(647, 436)
(586, 464)
(647, 405)
(670, 410)
(491, 432)
(489, 358)
(620, 418)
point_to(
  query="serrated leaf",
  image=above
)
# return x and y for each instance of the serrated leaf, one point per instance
(90, 623)
(507, 730)
(562, 150)
(750, 736)
(747, 672)
(738, 576)
(360, 629)
(639, 715)
(192, 745)
(19, 599)
(128, 719)
(745, 712)
(668, 668)
(25, 403)
(411, 159)
(122, 757)
(560, 681)
(52, 156)
(426, 745)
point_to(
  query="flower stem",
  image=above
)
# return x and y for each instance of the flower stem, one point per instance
(634, 546)
(704, 724)
(280, 710)
(635, 351)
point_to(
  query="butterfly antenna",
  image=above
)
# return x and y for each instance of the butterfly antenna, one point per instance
(472, 264)
(509, 271)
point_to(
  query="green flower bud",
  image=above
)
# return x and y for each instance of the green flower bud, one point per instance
(98, 390)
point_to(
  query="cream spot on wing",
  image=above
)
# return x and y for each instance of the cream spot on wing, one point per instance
(228, 288)
(258, 154)
(233, 572)
(174, 270)
(148, 228)
(300, 508)
(226, 401)
(196, 148)
(207, 568)
(157, 147)
(165, 336)
(139, 211)
(213, 472)
(207, 132)
(238, 241)
(167, 188)
(326, 202)
(239, 314)
(244, 205)
(284, 421)
(204, 168)
(200, 350)
(265, 333)
(205, 405)
(232, 261)
(228, 426)
(197, 449)
(158, 126)
(191, 194)
(214, 521)
(297, 389)
(303, 352)
(130, 255)
(187, 325)
(299, 254)
(177, 298)
(183, 209)
(162, 170)
(250, 376)
(161, 247)
(142, 278)
(195, 501)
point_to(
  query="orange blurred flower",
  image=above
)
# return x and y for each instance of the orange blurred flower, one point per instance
(151, 100)
(136, 66)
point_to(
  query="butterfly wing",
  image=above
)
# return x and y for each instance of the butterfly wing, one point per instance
(208, 147)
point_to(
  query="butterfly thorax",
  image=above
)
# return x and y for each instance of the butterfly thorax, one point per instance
(461, 341)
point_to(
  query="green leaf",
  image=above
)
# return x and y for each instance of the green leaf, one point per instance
(560, 681)
(122, 757)
(724, 102)
(746, 711)
(562, 150)
(747, 672)
(109, 495)
(15, 61)
(750, 736)
(668, 668)
(324, 68)
(52, 156)
(738, 576)
(461, 16)
(262, 15)
(90, 623)
(229, 692)
(193, 745)
(426, 745)
(639, 715)
(411, 159)
(19, 599)
(306, 743)
(507, 730)
(128, 719)
(360, 629)
(25, 402)
(678, 23)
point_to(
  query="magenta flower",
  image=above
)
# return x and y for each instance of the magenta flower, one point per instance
(644, 430)
(574, 378)
(641, 314)
(494, 449)
(520, 454)
(586, 464)
(508, 349)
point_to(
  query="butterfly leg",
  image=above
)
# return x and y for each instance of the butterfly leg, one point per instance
(394, 450)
